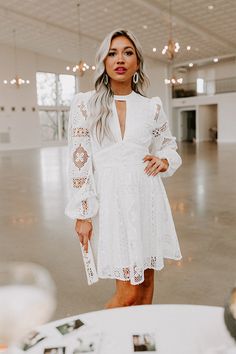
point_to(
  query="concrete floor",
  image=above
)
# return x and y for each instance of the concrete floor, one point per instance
(203, 199)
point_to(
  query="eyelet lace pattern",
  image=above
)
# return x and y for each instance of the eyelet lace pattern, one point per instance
(133, 229)
(157, 131)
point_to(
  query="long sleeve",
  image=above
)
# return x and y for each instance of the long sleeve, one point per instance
(83, 201)
(163, 143)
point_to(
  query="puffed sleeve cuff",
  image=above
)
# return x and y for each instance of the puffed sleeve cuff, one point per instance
(174, 161)
(82, 207)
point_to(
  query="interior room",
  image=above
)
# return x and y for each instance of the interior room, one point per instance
(47, 56)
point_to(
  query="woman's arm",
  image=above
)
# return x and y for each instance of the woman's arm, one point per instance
(83, 201)
(163, 145)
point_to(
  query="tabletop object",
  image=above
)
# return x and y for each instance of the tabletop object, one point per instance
(163, 329)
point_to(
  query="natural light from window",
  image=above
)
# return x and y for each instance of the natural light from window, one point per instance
(200, 85)
(54, 94)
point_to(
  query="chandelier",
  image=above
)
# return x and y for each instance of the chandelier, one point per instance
(80, 67)
(174, 81)
(170, 50)
(17, 80)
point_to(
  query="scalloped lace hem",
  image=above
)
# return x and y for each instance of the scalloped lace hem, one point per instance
(134, 274)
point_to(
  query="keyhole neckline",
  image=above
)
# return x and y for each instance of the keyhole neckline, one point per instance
(121, 138)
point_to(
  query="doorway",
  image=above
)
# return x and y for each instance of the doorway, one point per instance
(188, 125)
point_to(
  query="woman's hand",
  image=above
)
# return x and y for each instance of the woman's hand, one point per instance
(155, 165)
(84, 230)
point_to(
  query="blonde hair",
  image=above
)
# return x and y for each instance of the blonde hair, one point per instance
(101, 102)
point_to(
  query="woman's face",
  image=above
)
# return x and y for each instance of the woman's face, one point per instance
(121, 62)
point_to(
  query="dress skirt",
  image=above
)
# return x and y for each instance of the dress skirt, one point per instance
(133, 229)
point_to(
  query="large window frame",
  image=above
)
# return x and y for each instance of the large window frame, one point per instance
(59, 123)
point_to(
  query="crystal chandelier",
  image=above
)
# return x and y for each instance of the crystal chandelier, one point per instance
(171, 49)
(17, 80)
(80, 67)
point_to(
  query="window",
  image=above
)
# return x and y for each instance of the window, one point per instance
(49, 125)
(66, 89)
(200, 86)
(54, 95)
(46, 89)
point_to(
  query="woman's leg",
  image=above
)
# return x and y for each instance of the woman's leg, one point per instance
(147, 287)
(126, 295)
(130, 295)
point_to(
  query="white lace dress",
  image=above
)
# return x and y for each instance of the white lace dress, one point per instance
(133, 227)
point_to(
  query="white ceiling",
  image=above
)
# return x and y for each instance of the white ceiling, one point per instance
(50, 27)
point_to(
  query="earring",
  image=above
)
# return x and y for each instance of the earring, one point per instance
(105, 79)
(135, 78)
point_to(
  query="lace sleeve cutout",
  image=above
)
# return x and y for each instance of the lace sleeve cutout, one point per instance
(83, 110)
(83, 201)
(80, 132)
(80, 157)
(158, 109)
(163, 142)
(79, 182)
(157, 131)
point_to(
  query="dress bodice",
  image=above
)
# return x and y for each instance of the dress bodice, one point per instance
(146, 132)
(138, 123)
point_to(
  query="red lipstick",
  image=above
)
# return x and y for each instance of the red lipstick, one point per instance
(120, 70)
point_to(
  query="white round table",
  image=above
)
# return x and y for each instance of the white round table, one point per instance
(178, 329)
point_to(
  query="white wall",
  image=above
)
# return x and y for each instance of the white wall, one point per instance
(47, 64)
(227, 118)
(157, 73)
(86, 81)
(23, 127)
(207, 118)
(226, 104)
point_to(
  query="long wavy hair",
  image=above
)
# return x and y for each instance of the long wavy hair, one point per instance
(101, 101)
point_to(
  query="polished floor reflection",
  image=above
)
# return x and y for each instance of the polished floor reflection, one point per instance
(203, 199)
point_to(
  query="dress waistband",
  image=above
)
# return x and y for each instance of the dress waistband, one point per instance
(120, 155)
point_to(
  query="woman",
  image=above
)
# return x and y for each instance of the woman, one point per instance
(120, 147)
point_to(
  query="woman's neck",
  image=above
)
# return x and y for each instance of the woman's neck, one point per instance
(120, 88)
